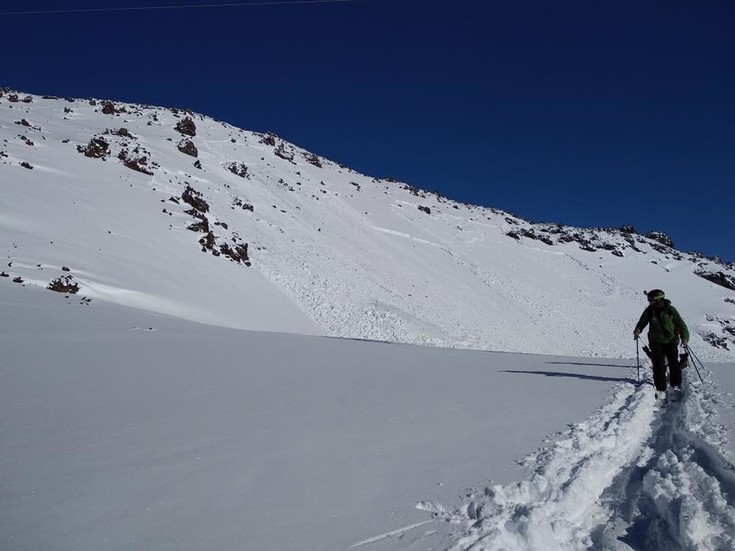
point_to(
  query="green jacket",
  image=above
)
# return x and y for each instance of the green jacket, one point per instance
(666, 324)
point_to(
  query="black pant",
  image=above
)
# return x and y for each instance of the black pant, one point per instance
(663, 352)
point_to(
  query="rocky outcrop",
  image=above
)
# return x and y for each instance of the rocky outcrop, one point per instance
(97, 148)
(283, 153)
(64, 284)
(718, 278)
(188, 148)
(313, 160)
(269, 139)
(187, 127)
(237, 168)
(194, 198)
(139, 164)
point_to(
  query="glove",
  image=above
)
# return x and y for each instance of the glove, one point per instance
(684, 344)
(636, 334)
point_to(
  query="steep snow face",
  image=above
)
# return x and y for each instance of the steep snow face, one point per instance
(179, 214)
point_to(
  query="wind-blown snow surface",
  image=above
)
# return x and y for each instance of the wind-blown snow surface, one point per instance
(332, 251)
(121, 429)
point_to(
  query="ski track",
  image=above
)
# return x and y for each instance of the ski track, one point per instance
(635, 475)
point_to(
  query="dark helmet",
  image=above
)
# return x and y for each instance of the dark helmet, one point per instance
(656, 294)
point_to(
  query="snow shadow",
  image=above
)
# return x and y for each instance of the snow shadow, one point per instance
(589, 364)
(574, 375)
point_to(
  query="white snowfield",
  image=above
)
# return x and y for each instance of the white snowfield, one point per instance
(199, 403)
(126, 430)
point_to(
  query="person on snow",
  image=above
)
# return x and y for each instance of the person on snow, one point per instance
(665, 329)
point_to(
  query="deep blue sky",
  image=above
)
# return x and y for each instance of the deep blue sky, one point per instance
(581, 112)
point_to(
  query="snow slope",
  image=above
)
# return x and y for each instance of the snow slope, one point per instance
(331, 251)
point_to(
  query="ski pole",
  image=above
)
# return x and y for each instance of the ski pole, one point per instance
(638, 360)
(695, 359)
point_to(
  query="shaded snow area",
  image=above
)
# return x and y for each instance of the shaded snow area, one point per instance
(179, 214)
(122, 429)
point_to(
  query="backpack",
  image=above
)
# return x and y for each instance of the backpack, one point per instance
(664, 326)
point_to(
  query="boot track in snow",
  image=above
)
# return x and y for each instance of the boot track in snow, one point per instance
(635, 475)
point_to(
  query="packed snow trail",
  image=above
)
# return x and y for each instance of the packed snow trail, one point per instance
(635, 475)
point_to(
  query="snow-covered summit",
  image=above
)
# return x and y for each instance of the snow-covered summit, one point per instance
(176, 213)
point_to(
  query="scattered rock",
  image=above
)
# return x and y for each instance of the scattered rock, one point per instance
(208, 242)
(139, 164)
(269, 138)
(108, 108)
(661, 238)
(716, 341)
(97, 148)
(64, 284)
(237, 168)
(18, 280)
(415, 191)
(314, 160)
(194, 198)
(283, 154)
(187, 127)
(427, 210)
(187, 147)
(201, 226)
(122, 132)
(238, 254)
(27, 165)
(245, 206)
(529, 233)
(719, 278)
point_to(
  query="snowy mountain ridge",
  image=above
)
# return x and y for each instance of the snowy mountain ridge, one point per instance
(179, 214)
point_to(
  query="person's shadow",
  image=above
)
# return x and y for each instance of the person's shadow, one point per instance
(574, 375)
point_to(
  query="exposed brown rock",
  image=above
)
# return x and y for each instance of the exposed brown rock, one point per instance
(97, 148)
(194, 198)
(187, 127)
(187, 147)
(64, 284)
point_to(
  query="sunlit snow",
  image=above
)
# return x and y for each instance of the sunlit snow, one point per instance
(199, 403)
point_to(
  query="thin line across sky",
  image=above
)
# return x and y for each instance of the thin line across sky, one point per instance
(179, 7)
